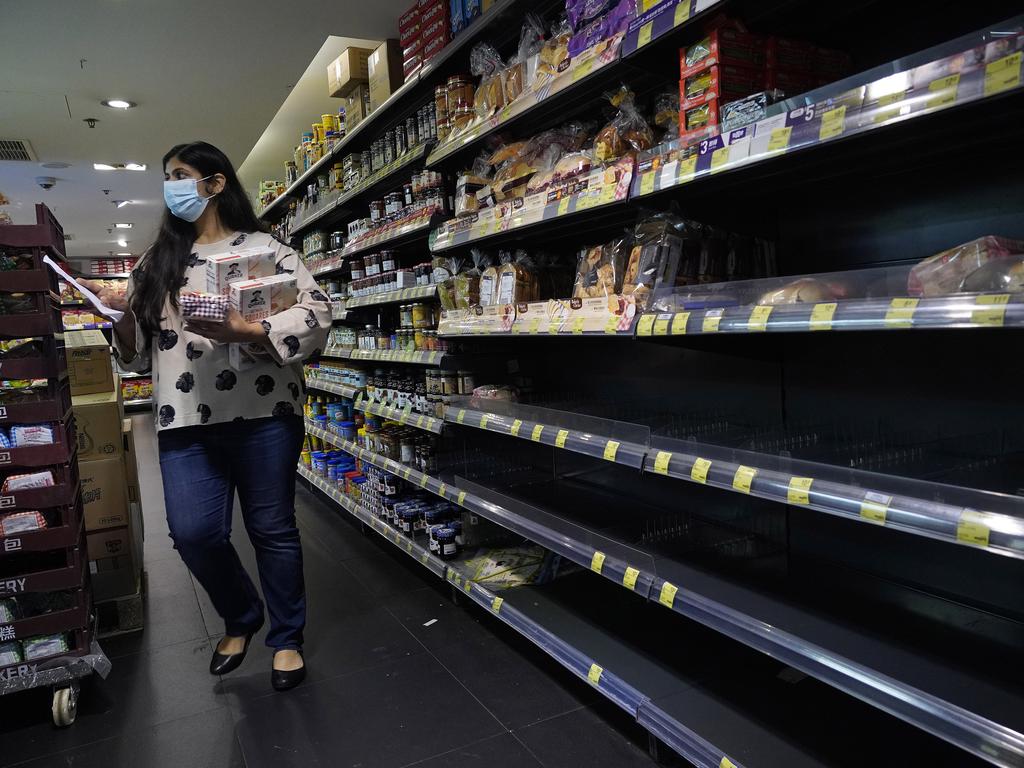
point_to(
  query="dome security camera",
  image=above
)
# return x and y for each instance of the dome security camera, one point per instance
(46, 182)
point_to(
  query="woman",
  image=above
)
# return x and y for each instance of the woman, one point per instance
(222, 429)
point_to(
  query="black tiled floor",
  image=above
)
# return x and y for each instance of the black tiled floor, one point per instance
(399, 675)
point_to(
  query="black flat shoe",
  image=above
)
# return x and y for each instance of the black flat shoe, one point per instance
(285, 680)
(222, 663)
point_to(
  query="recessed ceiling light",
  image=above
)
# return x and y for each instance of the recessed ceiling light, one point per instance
(122, 242)
(123, 226)
(123, 253)
(118, 103)
(120, 203)
(56, 165)
(135, 166)
(103, 167)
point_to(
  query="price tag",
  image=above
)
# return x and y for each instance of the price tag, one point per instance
(554, 327)
(419, 421)
(743, 478)
(687, 169)
(682, 12)
(660, 325)
(424, 558)
(594, 675)
(406, 472)
(647, 179)
(661, 462)
(469, 586)
(798, 490)
(483, 421)
(462, 498)
(560, 438)
(423, 480)
(408, 547)
(607, 194)
(610, 449)
(538, 430)
(577, 326)
(534, 325)
(442, 490)
(668, 594)
(630, 577)
(901, 313)
(699, 471)
(726, 763)
(563, 206)
(875, 506)
(612, 324)
(496, 604)
(821, 316)
(461, 415)
(945, 91)
(645, 34)
(712, 319)
(597, 562)
(993, 311)
(515, 427)
(645, 326)
(719, 159)
(758, 320)
(833, 123)
(779, 140)
(1003, 74)
(679, 322)
(582, 70)
(972, 528)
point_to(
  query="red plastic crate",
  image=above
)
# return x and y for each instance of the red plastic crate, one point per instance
(48, 361)
(53, 404)
(47, 572)
(43, 320)
(45, 233)
(62, 493)
(64, 530)
(61, 451)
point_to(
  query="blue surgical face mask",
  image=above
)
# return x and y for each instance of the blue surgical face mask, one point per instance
(183, 198)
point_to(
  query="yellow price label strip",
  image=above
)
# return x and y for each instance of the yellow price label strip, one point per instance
(779, 140)
(424, 558)
(442, 490)
(798, 491)
(726, 763)
(661, 462)
(821, 316)
(661, 325)
(611, 448)
(712, 319)
(719, 159)
(743, 478)
(607, 194)
(483, 421)
(833, 123)
(561, 437)
(577, 325)
(462, 499)
(554, 327)
(515, 427)
(461, 415)
(699, 471)
(888, 106)
(645, 326)
(594, 675)
(682, 12)
(667, 597)
(534, 325)
(901, 313)
(679, 322)
(582, 70)
(423, 480)
(993, 309)
(630, 577)
(758, 320)
(645, 34)
(538, 430)
(945, 91)
(496, 604)
(469, 586)
(419, 421)
(597, 561)
(647, 179)
(612, 324)
(1003, 74)
(563, 206)
(875, 506)
(687, 170)
(972, 528)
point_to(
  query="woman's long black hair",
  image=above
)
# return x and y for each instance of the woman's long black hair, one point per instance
(161, 273)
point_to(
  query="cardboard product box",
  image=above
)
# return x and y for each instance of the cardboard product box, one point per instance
(89, 365)
(115, 562)
(241, 357)
(131, 462)
(223, 269)
(434, 47)
(98, 423)
(722, 46)
(357, 107)
(104, 493)
(385, 65)
(409, 24)
(431, 14)
(266, 296)
(348, 71)
(438, 29)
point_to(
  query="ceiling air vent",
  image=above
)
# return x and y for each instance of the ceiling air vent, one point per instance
(16, 149)
(68, 237)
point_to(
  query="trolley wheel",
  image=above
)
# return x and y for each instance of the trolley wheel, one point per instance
(65, 706)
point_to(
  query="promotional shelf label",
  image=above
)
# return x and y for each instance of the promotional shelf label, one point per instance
(875, 506)
(699, 472)
(597, 561)
(668, 594)
(743, 478)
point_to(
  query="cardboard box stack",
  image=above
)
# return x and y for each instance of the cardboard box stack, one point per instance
(348, 71)
(410, 39)
(385, 66)
(112, 509)
(435, 27)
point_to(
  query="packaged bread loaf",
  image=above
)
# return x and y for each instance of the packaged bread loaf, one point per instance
(653, 256)
(944, 272)
(517, 279)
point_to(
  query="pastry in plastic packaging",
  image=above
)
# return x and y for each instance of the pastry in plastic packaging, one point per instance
(28, 481)
(496, 392)
(510, 181)
(517, 279)
(511, 151)
(736, 114)
(554, 53)
(21, 522)
(944, 272)
(599, 270)
(485, 63)
(523, 67)
(467, 282)
(625, 132)
(805, 290)
(1004, 275)
(654, 256)
(488, 286)
(446, 276)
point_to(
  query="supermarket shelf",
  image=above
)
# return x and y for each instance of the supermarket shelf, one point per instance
(661, 21)
(391, 238)
(556, 317)
(416, 292)
(108, 276)
(955, 311)
(144, 403)
(89, 327)
(386, 355)
(76, 303)
(131, 375)
(344, 390)
(511, 218)
(924, 692)
(326, 266)
(402, 416)
(338, 311)
(581, 73)
(612, 441)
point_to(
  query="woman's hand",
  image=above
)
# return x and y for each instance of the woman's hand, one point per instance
(108, 296)
(234, 329)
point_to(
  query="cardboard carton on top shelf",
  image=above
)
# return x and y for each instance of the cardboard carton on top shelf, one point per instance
(348, 71)
(89, 365)
(385, 65)
(357, 107)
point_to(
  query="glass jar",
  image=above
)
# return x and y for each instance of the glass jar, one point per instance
(421, 315)
(412, 133)
(441, 102)
(405, 315)
(376, 210)
(449, 383)
(467, 382)
(387, 261)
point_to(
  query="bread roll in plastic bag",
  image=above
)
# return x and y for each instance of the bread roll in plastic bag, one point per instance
(944, 272)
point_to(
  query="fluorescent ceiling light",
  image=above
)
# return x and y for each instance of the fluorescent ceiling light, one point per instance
(135, 166)
(120, 203)
(122, 242)
(118, 103)
(123, 226)
(124, 253)
(103, 167)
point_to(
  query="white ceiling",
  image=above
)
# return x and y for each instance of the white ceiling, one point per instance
(218, 71)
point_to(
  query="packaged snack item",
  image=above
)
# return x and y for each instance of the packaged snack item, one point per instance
(5, 441)
(736, 114)
(44, 645)
(944, 272)
(10, 653)
(522, 69)
(506, 152)
(627, 131)
(654, 256)
(807, 290)
(24, 435)
(496, 392)
(511, 179)
(554, 53)
(259, 299)
(21, 522)
(25, 482)
(446, 274)
(207, 307)
(489, 286)
(485, 63)
(666, 113)
(1004, 275)
(723, 45)
(8, 611)
(599, 271)
(17, 303)
(247, 264)
(467, 282)
(517, 279)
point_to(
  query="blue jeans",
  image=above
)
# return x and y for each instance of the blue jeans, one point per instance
(202, 466)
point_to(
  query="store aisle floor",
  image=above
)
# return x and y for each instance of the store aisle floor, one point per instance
(399, 675)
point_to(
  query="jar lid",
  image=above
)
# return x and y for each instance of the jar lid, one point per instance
(445, 534)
